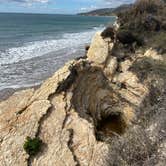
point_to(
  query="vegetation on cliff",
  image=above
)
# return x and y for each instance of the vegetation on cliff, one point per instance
(32, 146)
(143, 24)
(146, 19)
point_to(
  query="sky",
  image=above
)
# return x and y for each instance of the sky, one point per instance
(58, 6)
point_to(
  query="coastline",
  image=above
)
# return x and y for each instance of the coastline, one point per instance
(6, 93)
(37, 58)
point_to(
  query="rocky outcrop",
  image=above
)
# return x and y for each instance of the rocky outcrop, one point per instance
(99, 49)
(82, 109)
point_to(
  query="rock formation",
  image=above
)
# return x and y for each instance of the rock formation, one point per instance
(87, 109)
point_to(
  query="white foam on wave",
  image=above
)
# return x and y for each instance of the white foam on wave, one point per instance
(40, 48)
(20, 86)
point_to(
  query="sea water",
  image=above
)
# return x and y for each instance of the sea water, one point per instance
(34, 46)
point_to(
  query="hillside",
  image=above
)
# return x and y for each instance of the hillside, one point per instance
(146, 19)
(106, 11)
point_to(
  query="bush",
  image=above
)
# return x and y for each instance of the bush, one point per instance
(32, 145)
(146, 20)
(134, 148)
(149, 6)
(108, 32)
(143, 16)
(127, 37)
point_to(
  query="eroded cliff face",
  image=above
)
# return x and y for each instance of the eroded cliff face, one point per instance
(90, 112)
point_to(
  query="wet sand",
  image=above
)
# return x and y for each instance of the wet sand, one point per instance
(6, 93)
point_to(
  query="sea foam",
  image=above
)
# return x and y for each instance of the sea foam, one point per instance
(40, 48)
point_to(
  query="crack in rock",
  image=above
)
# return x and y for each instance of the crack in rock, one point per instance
(70, 145)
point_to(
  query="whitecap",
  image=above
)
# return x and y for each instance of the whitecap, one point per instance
(40, 48)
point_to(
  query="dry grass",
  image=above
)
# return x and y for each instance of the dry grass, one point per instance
(136, 17)
(146, 19)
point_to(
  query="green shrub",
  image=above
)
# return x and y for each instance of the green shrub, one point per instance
(32, 145)
(108, 32)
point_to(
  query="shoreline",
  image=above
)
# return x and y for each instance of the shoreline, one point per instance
(26, 65)
(7, 92)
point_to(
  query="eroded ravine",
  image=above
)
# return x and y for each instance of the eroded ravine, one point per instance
(94, 99)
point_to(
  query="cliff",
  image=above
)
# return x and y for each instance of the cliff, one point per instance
(105, 109)
(90, 112)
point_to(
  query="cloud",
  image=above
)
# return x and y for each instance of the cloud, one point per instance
(77, 5)
(104, 4)
(115, 3)
(84, 9)
(26, 1)
(30, 1)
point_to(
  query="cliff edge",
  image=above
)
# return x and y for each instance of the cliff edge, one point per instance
(86, 108)
(106, 109)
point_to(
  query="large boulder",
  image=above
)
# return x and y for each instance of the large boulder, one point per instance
(98, 50)
(18, 120)
(111, 67)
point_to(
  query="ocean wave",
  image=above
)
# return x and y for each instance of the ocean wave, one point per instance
(40, 48)
(2, 87)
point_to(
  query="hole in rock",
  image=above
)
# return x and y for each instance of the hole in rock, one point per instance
(95, 100)
(112, 125)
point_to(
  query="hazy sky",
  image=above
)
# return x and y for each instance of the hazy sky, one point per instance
(57, 6)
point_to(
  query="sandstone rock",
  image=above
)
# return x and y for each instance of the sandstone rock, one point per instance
(84, 142)
(50, 85)
(15, 128)
(97, 99)
(98, 50)
(116, 25)
(79, 112)
(57, 151)
(153, 54)
(124, 66)
(16, 102)
(20, 117)
(48, 115)
(135, 92)
(111, 66)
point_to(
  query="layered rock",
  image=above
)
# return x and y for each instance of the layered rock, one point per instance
(78, 111)
(99, 49)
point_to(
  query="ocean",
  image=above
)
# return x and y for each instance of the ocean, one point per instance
(34, 46)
